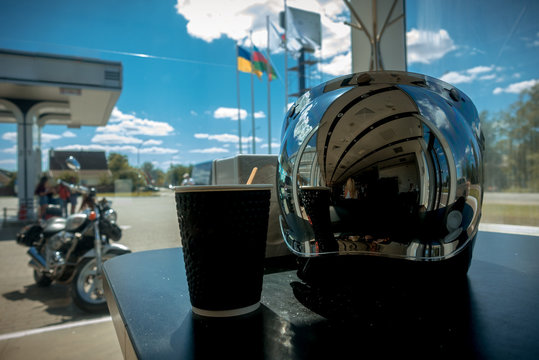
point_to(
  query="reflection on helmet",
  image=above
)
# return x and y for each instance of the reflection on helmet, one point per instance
(381, 163)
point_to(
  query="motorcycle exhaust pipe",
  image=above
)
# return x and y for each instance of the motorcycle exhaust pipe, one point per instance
(37, 261)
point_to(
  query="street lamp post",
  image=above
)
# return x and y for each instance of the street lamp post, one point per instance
(138, 155)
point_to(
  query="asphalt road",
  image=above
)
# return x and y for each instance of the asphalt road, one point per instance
(512, 198)
(43, 323)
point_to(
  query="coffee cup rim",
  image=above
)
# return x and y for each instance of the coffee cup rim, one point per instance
(231, 187)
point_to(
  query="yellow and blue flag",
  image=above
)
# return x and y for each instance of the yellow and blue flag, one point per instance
(244, 60)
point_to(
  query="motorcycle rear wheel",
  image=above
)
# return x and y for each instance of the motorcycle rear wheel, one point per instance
(87, 287)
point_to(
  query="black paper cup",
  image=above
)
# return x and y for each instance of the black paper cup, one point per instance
(223, 230)
(316, 201)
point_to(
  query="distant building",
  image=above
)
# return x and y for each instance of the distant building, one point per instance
(5, 177)
(93, 165)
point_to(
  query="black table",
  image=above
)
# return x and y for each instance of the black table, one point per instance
(493, 314)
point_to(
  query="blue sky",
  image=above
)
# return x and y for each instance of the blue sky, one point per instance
(179, 104)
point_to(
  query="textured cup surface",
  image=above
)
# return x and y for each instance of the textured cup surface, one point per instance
(223, 231)
(316, 200)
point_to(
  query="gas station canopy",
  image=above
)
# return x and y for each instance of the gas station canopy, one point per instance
(78, 91)
(39, 89)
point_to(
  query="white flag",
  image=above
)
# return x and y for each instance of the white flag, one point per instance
(276, 41)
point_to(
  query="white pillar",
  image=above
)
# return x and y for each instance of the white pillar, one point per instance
(26, 167)
(26, 180)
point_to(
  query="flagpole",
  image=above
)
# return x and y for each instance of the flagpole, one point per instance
(252, 94)
(285, 61)
(268, 73)
(238, 92)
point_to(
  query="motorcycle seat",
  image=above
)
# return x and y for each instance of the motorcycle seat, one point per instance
(54, 225)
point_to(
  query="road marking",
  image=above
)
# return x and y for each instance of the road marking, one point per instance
(510, 229)
(70, 325)
(125, 227)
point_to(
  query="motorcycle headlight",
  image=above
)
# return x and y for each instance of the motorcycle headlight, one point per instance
(381, 163)
(110, 215)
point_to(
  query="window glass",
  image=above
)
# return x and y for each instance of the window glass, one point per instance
(183, 102)
(489, 50)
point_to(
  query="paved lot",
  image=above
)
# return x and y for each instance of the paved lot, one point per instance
(512, 198)
(43, 323)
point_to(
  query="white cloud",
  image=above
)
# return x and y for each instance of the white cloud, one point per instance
(274, 145)
(152, 142)
(467, 76)
(157, 150)
(230, 138)
(221, 18)
(9, 136)
(118, 116)
(46, 137)
(248, 140)
(167, 163)
(119, 149)
(338, 65)
(259, 115)
(454, 77)
(230, 113)
(425, 46)
(8, 161)
(97, 147)
(480, 69)
(11, 150)
(516, 88)
(532, 42)
(69, 134)
(115, 139)
(235, 18)
(213, 150)
(488, 77)
(128, 124)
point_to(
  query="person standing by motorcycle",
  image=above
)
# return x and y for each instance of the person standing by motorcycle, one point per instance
(42, 191)
(63, 194)
(73, 197)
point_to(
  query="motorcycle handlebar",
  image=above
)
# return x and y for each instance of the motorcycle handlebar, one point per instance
(75, 188)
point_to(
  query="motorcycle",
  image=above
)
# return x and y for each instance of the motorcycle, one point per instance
(73, 249)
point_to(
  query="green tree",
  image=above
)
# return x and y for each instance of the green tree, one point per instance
(159, 177)
(522, 138)
(134, 175)
(117, 162)
(174, 175)
(512, 144)
(120, 169)
(495, 176)
(154, 175)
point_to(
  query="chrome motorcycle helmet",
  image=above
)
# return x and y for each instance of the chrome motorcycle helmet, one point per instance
(384, 167)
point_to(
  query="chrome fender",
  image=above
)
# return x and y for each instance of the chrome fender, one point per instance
(107, 249)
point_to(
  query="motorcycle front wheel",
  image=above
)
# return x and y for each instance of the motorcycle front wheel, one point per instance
(87, 287)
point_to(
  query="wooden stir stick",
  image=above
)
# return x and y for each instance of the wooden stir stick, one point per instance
(252, 176)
